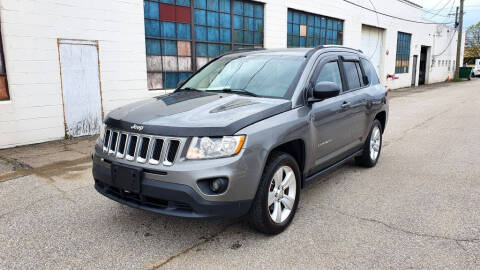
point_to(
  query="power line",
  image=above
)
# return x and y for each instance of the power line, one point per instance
(392, 16)
(444, 6)
(433, 8)
(378, 31)
(429, 12)
(450, 11)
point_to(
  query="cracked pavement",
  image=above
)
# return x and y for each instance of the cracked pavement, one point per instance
(419, 208)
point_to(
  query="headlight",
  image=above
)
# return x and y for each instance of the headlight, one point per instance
(215, 147)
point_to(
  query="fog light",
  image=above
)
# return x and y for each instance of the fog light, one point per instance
(218, 185)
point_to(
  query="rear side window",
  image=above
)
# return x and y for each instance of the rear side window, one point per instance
(352, 74)
(330, 73)
(370, 72)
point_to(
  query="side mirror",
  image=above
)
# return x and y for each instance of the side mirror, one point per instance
(324, 90)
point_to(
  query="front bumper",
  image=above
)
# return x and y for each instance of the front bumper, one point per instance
(165, 197)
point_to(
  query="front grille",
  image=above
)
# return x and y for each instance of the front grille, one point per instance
(142, 148)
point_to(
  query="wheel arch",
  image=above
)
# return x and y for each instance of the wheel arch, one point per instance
(295, 148)
(382, 117)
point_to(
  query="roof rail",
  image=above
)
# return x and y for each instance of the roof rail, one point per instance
(310, 52)
(242, 50)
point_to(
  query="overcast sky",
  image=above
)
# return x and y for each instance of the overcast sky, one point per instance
(443, 8)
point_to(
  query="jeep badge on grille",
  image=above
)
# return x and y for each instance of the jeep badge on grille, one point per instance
(137, 127)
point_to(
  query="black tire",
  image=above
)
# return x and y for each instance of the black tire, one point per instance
(365, 159)
(259, 216)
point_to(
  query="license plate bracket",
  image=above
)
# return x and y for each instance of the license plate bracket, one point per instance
(127, 177)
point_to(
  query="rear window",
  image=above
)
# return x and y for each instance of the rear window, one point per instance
(352, 73)
(370, 72)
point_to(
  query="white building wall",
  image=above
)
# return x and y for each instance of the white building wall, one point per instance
(31, 29)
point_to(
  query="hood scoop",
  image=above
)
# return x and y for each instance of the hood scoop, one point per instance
(233, 105)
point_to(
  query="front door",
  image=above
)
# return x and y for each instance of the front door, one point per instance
(81, 87)
(328, 118)
(423, 66)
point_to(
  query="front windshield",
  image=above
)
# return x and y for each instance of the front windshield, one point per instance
(267, 76)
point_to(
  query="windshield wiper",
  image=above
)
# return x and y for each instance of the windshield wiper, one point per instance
(189, 89)
(238, 91)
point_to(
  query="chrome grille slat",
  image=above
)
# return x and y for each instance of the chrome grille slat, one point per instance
(141, 150)
(109, 141)
(132, 143)
(170, 156)
(163, 155)
(114, 142)
(106, 140)
(157, 152)
(120, 149)
(150, 148)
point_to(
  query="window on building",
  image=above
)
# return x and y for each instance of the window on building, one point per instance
(310, 30)
(3, 74)
(403, 52)
(183, 35)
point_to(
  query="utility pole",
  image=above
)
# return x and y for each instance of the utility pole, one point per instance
(459, 41)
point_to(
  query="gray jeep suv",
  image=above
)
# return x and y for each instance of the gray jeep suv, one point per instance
(243, 135)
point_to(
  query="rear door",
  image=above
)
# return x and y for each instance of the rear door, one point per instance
(355, 102)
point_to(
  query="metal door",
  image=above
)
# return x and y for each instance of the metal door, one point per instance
(81, 87)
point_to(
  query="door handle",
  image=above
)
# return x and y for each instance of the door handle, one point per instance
(346, 104)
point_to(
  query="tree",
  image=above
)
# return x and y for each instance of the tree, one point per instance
(472, 42)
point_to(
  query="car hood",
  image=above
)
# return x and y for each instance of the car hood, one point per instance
(195, 113)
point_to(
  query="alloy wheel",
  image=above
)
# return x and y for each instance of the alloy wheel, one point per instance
(282, 194)
(375, 141)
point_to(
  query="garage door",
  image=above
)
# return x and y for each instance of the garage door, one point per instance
(372, 45)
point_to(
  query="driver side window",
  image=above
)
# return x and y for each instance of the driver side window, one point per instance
(330, 73)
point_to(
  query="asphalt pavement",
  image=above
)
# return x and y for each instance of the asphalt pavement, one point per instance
(419, 208)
